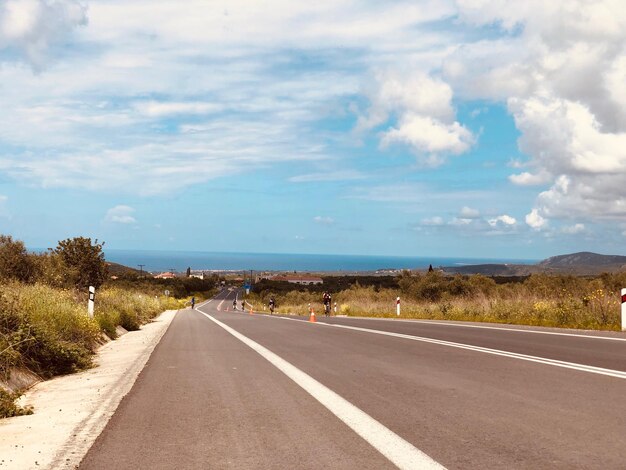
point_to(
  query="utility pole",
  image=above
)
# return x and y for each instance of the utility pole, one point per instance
(141, 269)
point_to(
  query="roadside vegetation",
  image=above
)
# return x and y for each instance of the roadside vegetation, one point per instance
(540, 299)
(44, 326)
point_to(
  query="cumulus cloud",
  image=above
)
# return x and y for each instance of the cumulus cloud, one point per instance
(529, 179)
(435, 221)
(460, 221)
(425, 116)
(535, 220)
(502, 220)
(323, 220)
(34, 26)
(561, 70)
(469, 213)
(573, 229)
(120, 215)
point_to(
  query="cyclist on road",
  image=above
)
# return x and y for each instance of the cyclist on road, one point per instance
(235, 303)
(193, 302)
(327, 300)
(272, 305)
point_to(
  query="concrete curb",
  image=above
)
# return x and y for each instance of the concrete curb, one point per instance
(71, 411)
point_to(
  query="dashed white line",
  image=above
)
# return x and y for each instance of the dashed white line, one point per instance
(400, 452)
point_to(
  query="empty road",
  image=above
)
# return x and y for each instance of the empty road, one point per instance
(229, 389)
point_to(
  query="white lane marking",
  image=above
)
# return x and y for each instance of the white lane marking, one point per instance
(219, 306)
(520, 330)
(497, 352)
(400, 452)
(206, 302)
(524, 357)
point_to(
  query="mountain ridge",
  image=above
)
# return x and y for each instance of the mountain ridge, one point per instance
(580, 263)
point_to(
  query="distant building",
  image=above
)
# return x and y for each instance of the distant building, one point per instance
(167, 275)
(197, 275)
(298, 279)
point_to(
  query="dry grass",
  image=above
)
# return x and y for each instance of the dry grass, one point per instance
(555, 301)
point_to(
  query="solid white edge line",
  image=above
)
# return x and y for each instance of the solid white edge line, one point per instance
(400, 452)
(517, 330)
(496, 352)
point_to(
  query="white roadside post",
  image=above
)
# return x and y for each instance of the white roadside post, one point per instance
(92, 298)
(398, 306)
(623, 309)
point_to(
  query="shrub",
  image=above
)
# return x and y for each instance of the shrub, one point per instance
(84, 263)
(8, 407)
(15, 262)
(45, 329)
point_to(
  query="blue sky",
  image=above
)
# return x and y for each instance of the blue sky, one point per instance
(418, 128)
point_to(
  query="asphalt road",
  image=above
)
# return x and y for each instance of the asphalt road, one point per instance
(467, 397)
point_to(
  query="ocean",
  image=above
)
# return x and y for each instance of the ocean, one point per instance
(208, 261)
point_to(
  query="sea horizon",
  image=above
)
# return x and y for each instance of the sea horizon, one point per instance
(172, 260)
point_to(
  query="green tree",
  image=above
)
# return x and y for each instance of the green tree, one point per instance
(83, 261)
(15, 262)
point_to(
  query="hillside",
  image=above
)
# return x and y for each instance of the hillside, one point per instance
(116, 269)
(584, 259)
(582, 263)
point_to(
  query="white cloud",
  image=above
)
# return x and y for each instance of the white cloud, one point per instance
(426, 118)
(164, 109)
(535, 220)
(435, 221)
(120, 215)
(429, 137)
(460, 221)
(561, 70)
(323, 220)
(469, 213)
(34, 26)
(529, 179)
(502, 220)
(573, 229)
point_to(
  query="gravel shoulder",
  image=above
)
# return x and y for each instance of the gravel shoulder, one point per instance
(71, 411)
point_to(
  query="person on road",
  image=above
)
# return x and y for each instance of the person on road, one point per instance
(243, 305)
(235, 303)
(272, 305)
(193, 302)
(327, 300)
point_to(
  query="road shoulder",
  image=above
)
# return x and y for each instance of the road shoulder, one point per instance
(71, 411)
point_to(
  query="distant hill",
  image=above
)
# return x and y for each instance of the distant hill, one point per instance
(119, 269)
(508, 270)
(583, 263)
(584, 259)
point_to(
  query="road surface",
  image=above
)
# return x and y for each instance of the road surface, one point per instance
(228, 389)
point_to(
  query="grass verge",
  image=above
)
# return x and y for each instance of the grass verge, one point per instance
(47, 330)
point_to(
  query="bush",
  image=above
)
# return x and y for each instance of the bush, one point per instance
(8, 407)
(15, 262)
(45, 330)
(83, 262)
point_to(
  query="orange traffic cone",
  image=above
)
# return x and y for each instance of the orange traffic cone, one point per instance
(312, 317)
(250, 310)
